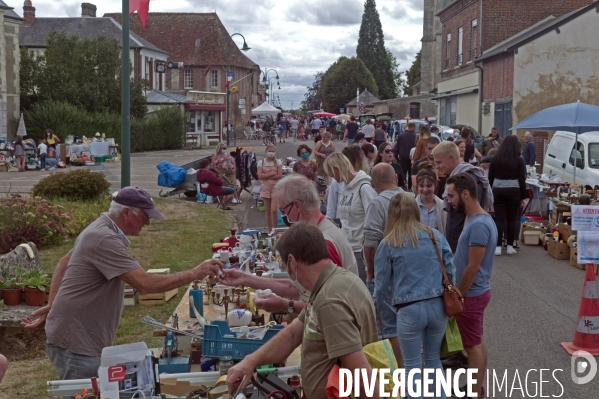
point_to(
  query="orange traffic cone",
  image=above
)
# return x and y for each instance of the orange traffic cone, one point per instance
(586, 333)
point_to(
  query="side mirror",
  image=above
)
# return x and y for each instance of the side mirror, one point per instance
(579, 162)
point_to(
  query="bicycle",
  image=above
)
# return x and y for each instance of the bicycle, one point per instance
(269, 138)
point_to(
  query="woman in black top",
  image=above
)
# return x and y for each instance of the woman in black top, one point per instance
(507, 176)
(385, 154)
(471, 151)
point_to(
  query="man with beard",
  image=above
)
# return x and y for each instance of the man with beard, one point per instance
(473, 260)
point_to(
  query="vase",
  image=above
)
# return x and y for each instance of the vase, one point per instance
(34, 297)
(11, 296)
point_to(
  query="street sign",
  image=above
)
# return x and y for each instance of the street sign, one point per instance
(362, 107)
(362, 104)
(341, 110)
(174, 65)
(242, 103)
(242, 111)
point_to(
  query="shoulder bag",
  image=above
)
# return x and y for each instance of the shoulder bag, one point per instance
(452, 297)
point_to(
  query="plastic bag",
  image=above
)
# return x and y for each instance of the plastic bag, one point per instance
(170, 175)
(452, 341)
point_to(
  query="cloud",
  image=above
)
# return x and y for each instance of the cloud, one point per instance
(329, 13)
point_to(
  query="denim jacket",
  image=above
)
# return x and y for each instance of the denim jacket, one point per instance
(413, 273)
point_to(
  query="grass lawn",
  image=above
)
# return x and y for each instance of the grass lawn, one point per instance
(180, 241)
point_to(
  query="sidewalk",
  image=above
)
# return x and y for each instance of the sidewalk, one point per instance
(143, 171)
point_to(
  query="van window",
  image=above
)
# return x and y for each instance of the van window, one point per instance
(577, 155)
(594, 155)
(560, 147)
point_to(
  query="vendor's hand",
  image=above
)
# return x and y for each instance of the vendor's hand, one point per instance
(271, 303)
(32, 322)
(523, 203)
(233, 278)
(236, 373)
(211, 267)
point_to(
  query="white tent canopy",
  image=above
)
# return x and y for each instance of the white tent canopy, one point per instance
(265, 109)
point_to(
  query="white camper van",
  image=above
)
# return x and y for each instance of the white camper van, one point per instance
(561, 154)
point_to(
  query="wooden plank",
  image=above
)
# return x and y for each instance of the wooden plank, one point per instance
(157, 299)
(130, 301)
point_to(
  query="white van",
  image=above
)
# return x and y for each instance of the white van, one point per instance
(559, 158)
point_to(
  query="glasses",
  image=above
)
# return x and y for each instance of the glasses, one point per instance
(144, 215)
(284, 210)
(388, 151)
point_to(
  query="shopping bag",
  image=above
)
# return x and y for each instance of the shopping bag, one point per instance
(452, 341)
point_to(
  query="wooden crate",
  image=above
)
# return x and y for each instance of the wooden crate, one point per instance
(157, 299)
(130, 300)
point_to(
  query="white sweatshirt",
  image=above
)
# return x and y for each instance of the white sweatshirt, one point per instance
(353, 203)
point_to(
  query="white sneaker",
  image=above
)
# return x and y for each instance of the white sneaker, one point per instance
(498, 251)
(235, 201)
(510, 250)
(52, 168)
(209, 199)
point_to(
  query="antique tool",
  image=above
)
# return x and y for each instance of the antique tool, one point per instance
(150, 321)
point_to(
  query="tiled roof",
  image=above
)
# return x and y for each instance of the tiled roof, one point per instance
(161, 97)
(366, 96)
(192, 38)
(90, 28)
(8, 11)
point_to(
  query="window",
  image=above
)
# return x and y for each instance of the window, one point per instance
(447, 50)
(460, 43)
(578, 155)
(594, 155)
(414, 110)
(473, 40)
(448, 111)
(174, 78)
(188, 79)
(214, 78)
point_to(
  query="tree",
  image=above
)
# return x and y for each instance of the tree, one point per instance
(340, 81)
(371, 50)
(82, 72)
(412, 76)
(312, 101)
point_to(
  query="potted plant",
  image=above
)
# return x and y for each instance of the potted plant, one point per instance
(11, 289)
(35, 288)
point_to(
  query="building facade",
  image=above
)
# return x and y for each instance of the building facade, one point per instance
(366, 97)
(144, 56)
(200, 48)
(10, 104)
(477, 93)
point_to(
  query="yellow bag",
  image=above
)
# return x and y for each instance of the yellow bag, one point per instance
(380, 356)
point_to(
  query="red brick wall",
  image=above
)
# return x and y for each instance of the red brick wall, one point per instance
(460, 15)
(504, 18)
(498, 77)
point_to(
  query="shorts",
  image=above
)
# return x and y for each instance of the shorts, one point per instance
(386, 315)
(227, 190)
(267, 191)
(470, 323)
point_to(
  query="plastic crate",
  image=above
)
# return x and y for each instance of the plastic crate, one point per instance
(217, 345)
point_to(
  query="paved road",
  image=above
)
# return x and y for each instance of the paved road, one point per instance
(534, 297)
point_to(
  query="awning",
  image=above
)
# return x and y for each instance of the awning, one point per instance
(205, 107)
(456, 93)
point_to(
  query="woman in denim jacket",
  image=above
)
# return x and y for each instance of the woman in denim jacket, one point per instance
(407, 259)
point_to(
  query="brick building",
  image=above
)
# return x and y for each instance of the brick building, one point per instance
(199, 41)
(470, 28)
(10, 24)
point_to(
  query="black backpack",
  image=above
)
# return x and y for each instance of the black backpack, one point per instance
(266, 126)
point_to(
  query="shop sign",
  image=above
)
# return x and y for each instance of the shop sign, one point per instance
(206, 98)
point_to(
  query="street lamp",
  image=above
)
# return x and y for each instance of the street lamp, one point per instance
(244, 48)
(265, 73)
(270, 84)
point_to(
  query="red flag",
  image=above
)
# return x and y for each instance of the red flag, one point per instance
(142, 7)
(207, 69)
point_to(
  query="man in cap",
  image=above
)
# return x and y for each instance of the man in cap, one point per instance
(86, 296)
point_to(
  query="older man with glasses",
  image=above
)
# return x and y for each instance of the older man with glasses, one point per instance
(299, 202)
(86, 295)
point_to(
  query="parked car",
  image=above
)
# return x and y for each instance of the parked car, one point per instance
(560, 158)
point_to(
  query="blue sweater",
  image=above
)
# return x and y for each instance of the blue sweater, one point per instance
(529, 153)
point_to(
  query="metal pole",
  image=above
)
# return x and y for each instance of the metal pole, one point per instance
(228, 56)
(125, 98)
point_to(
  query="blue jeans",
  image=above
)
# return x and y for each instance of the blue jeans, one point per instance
(386, 315)
(423, 323)
(43, 161)
(350, 142)
(71, 366)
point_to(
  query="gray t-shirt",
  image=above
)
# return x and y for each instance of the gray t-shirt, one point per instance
(376, 217)
(87, 309)
(479, 231)
(367, 130)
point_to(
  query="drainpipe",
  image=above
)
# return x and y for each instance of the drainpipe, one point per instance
(480, 98)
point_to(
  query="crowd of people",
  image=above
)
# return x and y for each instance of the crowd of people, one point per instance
(394, 205)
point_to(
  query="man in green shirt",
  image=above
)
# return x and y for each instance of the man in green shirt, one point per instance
(338, 320)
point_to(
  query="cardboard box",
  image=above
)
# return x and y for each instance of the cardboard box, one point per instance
(566, 231)
(532, 226)
(574, 260)
(559, 250)
(172, 386)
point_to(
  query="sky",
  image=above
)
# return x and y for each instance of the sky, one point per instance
(298, 38)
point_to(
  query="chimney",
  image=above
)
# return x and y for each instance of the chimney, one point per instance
(28, 13)
(88, 10)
